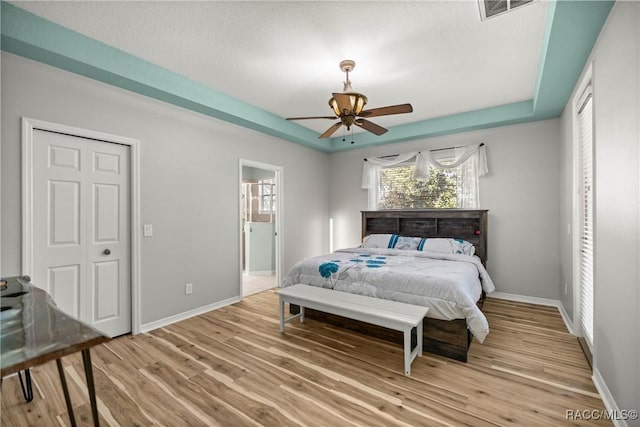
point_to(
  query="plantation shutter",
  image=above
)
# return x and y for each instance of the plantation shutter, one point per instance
(585, 143)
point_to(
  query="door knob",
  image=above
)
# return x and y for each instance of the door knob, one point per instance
(107, 252)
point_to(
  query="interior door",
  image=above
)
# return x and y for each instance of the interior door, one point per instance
(81, 217)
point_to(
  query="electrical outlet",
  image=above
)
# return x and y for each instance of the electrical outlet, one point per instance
(147, 230)
(188, 288)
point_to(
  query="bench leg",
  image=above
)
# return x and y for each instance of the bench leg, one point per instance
(407, 351)
(285, 320)
(281, 315)
(419, 337)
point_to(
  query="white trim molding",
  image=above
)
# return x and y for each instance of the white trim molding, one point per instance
(607, 398)
(540, 301)
(187, 314)
(279, 222)
(28, 126)
(585, 81)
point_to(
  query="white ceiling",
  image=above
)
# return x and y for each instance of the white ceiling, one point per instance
(283, 56)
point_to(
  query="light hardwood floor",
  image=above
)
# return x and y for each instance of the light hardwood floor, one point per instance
(231, 367)
(252, 284)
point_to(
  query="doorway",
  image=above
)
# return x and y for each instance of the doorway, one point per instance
(260, 222)
(79, 222)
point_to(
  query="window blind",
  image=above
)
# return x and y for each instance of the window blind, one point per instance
(585, 147)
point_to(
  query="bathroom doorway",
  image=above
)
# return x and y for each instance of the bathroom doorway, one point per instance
(260, 220)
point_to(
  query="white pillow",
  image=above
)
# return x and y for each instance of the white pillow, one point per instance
(379, 241)
(448, 246)
(407, 243)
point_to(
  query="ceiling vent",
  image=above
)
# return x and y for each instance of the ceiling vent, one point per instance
(491, 8)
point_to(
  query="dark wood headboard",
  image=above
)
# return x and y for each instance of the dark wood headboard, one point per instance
(467, 224)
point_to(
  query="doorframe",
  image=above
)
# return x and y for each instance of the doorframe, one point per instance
(279, 171)
(28, 127)
(576, 215)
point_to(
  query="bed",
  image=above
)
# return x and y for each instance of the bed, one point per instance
(452, 285)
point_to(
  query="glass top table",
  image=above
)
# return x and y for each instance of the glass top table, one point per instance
(34, 331)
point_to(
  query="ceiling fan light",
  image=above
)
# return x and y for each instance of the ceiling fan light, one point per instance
(334, 106)
(358, 103)
(352, 103)
(342, 105)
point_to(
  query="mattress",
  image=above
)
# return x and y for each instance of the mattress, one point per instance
(448, 284)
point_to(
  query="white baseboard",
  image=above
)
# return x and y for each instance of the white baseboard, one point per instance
(187, 314)
(605, 394)
(607, 398)
(524, 298)
(260, 273)
(565, 317)
(540, 301)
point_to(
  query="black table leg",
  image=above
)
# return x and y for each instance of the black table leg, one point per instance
(26, 386)
(65, 390)
(88, 371)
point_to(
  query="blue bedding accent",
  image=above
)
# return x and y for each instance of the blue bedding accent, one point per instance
(421, 244)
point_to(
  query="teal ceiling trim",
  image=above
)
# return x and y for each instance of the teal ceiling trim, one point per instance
(501, 115)
(572, 29)
(551, 12)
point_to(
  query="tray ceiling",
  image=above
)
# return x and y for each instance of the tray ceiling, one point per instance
(282, 57)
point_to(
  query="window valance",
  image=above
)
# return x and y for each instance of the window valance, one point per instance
(423, 161)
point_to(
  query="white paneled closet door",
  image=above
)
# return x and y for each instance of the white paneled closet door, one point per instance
(81, 218)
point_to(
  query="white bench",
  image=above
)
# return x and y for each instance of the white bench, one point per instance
(389, 314)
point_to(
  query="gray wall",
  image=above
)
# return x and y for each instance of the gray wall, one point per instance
(521, 192)
(616, 86)
(189, 183)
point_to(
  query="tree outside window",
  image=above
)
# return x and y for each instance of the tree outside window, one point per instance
(398, 189)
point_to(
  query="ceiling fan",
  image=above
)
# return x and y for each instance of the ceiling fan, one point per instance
(348, 107)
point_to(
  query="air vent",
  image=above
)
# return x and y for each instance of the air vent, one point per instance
(491, 8)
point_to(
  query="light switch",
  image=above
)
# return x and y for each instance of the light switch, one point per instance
(148, 230)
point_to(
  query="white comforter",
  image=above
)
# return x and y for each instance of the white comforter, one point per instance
(449, 284)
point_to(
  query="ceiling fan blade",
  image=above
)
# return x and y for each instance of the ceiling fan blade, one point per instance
(314, 117)
(331, 130)
(386, 111)
(370, 126)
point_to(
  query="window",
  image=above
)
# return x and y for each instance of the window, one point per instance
(266, 196)
(490, 8)
(441, 178)
(585, 186)
(398, 189)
